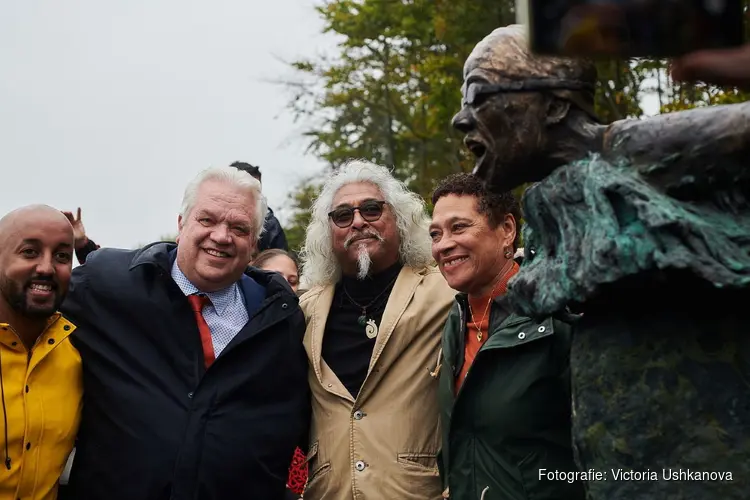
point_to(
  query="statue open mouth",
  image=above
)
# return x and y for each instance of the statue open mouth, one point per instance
(482, 168)
(477, 148)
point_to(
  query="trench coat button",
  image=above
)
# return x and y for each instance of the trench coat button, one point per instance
(330, 385)
(66, 327)
(27, 388)
(51, 341)
(541, 329)
(28, 446)
(522, 335)
(12, 343)
(358, 415)
(284, 305)
(360, 465)
(190, 395)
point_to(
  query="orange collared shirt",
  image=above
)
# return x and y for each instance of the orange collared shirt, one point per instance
(478, 307)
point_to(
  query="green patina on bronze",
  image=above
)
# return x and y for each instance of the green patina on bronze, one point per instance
(650, 398)
(656, 387)
(591, 224)
(625, 220)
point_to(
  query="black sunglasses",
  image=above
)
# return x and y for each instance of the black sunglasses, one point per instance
(370, 210)
(475, 92)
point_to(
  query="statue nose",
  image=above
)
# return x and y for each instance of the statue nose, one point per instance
(463, 121)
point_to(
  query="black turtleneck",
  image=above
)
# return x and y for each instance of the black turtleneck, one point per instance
(346, 347)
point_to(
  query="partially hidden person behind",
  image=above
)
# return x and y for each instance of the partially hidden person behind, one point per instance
(273, 235)
(41, 384)
(285, 263)
(193, 364)
(374, 310)
(280, 261)
(504, 379)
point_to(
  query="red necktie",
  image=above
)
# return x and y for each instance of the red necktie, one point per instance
(198, 302)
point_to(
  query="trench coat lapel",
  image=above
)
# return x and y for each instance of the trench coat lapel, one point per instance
(314, 344)
(399, 299)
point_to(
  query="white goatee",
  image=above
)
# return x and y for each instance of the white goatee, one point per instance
(363, 263)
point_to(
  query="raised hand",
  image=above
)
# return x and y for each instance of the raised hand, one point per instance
(79, 232)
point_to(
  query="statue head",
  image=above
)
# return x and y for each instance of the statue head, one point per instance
(522, 112)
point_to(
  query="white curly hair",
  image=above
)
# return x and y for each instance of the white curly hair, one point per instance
(319, 264)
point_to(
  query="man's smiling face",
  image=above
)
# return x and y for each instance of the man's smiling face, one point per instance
(36, 262)
(379, 238)
(217, 238)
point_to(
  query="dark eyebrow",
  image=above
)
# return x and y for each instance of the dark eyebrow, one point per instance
(452, 220)
(434, 225)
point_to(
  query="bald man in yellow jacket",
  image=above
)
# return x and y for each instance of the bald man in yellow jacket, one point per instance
(40, 370)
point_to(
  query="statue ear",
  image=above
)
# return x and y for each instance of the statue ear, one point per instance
(557, 110)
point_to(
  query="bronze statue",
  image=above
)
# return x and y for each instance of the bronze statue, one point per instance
(644, 227)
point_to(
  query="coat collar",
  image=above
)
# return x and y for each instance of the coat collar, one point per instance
(58, 329)
(161, 255)
(507, 329)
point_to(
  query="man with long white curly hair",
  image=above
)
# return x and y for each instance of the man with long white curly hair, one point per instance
(375, 311)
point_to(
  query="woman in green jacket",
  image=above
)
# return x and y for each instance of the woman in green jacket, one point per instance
(504, 380)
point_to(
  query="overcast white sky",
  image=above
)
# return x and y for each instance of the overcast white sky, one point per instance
(114, 105)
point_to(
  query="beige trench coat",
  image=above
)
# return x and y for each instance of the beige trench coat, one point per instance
(384, 444)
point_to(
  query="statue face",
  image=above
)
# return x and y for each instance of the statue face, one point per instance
(504, 124)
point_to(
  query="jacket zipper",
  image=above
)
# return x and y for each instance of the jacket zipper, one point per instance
(482, 348)
(466, 379)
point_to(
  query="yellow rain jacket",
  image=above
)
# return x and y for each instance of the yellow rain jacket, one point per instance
(40, 392)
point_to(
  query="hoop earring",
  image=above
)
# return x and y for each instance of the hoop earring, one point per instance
(508, 253)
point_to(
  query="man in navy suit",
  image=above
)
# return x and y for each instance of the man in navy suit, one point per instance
(195, 376)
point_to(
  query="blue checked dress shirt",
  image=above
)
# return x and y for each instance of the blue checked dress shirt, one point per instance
(225, 316)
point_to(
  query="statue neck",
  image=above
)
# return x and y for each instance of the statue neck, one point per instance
(574, 139)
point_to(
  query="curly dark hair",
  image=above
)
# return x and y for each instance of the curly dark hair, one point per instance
(493, 205)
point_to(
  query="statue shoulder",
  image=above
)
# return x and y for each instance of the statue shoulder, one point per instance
(708, 133)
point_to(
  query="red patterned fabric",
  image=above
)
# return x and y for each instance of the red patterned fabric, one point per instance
(297, 473)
